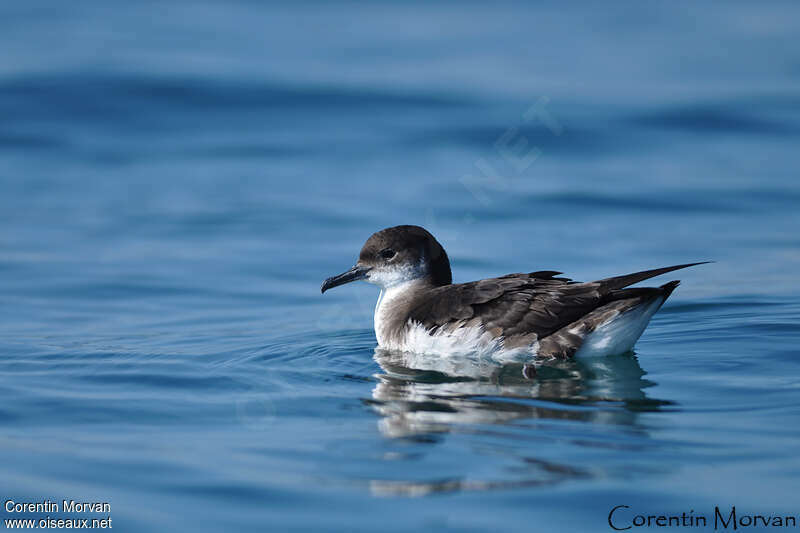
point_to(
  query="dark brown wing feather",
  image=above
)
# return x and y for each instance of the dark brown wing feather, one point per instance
(511, 305)
(522, 304)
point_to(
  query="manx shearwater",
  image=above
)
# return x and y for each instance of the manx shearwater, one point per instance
(539, 313)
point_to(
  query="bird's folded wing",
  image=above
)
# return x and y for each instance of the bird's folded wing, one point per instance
(516, 304)
(523, 304)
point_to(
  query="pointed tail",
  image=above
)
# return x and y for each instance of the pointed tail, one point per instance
(620, 282)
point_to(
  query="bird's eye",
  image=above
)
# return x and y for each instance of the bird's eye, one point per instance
(387, 253)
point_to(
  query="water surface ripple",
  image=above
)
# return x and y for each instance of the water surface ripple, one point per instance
(174, 188)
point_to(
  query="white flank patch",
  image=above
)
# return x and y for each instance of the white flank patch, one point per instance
(471, 343)
(619, 334)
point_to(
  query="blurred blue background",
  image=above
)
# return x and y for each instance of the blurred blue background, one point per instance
(176, 180)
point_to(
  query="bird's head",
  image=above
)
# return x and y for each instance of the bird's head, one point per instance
(397, 255)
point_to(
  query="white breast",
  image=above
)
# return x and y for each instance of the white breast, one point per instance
(383, 316)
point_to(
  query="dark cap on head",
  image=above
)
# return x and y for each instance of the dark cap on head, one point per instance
(399, 247)
(411, 243)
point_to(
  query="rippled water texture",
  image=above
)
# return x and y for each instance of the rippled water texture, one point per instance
(176, 181)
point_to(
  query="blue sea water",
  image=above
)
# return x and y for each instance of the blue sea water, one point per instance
(177, 179)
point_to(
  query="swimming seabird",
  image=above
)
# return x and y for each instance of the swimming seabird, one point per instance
(539, 313)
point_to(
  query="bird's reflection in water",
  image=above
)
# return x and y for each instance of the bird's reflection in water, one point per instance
(424, 398)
